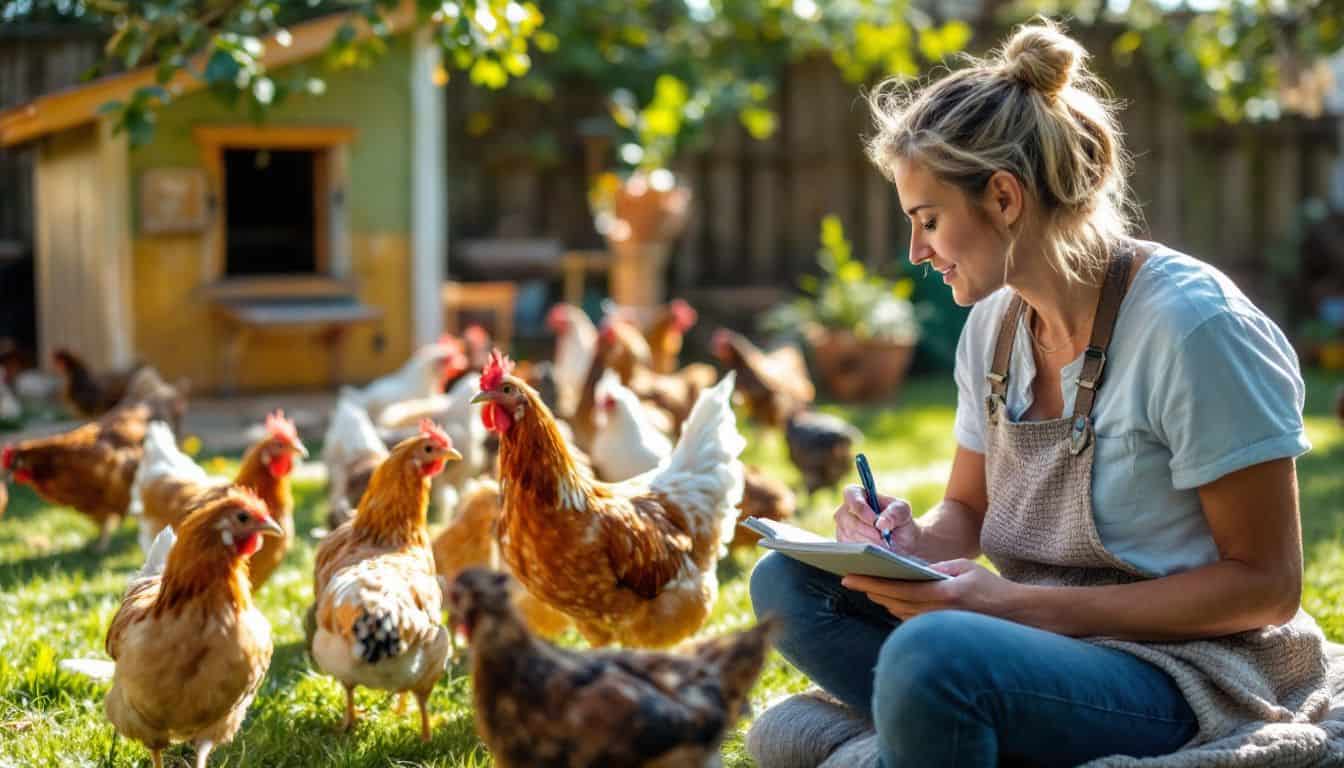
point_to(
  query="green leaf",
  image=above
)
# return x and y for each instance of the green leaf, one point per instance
(760, 123)
(221, 67)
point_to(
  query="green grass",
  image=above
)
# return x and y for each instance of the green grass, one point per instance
(57, 597)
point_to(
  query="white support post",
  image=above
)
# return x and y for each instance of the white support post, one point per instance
(429, 203)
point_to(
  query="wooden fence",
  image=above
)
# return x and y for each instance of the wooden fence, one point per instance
(1226, 194)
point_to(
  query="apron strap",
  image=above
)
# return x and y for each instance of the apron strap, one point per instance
(1003, 347)
(1108, 308)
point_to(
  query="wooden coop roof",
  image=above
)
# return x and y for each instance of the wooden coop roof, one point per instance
(78, 105)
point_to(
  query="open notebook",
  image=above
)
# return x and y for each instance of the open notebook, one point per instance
(840, 558)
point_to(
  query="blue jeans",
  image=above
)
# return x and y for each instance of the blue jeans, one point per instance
(956, 689)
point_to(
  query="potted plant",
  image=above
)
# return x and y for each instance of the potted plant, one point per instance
(861, 327)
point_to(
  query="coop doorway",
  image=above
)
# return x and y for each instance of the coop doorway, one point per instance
(271, 212)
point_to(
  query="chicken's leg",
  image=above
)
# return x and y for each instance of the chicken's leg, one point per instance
(203, 753)
(400, 709)
(105, 536)
(156, 755)
(422, 698)
(349, 721)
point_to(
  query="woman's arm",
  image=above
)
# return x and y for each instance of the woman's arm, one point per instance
(948, 531)
(1253, 516)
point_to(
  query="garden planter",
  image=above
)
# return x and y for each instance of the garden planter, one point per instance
(854, 369)
(646, 220)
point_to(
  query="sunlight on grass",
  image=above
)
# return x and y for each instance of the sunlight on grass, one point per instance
(57, 598)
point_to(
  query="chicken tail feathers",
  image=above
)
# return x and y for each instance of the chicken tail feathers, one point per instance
(100, 670)
(160, 447)
(158, 554)
(376, 637)
(704, 465)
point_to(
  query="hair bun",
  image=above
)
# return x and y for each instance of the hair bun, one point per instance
(1043, 57)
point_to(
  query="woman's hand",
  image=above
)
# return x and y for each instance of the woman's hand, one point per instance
(971, 588)
(855, 521)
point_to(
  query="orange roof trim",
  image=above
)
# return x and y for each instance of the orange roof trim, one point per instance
(78, 105)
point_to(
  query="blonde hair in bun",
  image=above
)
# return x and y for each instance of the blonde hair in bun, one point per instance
(1031, 109)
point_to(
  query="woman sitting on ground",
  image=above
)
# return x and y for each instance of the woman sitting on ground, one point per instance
(1127, 423)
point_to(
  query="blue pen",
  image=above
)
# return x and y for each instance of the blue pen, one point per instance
(870, 490)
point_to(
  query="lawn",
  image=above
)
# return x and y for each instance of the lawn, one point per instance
(57, 598)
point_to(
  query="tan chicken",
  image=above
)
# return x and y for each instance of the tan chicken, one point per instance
(89, 468)
(189, 646)
(469, 541)
(539, 705)
(168, 482)
(774, 385)
(667, 333)
(630, 562)
(379, 602)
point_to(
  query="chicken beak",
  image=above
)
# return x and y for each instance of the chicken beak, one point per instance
(452, 455)
(299, 448)
(268, 527)
(480, 397)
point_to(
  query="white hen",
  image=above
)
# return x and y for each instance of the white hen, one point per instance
(351, 448)
(422, 376)
(575, 345)
(162, 458)
(626, 442)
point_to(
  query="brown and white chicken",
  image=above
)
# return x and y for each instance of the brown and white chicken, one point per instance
(168, 482)
(351, 450)
(377, 619)
(539, 705)
(630, 562)
(189, 648)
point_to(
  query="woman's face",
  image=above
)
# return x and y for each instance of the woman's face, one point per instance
(951, 232)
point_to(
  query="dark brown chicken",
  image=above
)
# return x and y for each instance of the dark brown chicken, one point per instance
(821, 446)
(88, 394)
(89, 468)
(539, 705)
(774, 385)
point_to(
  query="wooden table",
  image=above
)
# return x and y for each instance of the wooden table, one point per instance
(497, 297)
(575, 266)
(328, 316)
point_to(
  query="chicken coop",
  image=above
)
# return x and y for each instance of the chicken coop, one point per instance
(303, 251)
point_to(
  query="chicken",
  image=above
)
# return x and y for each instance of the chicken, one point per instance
(630, 562)
(469, 541)
(167, 402)
(626, 442)
(10, 410)
(425, 374)
(460, 420)
(627, 445)
(821, 446)
(376, 621)
(623, 348)
(165, 496)
(89, 468)
(89, 395)
(351, 451)
(774, 385)
(763, 497)
(539, 705)
(189, 646)
(575, 345)
(667, 332)
(476, 344)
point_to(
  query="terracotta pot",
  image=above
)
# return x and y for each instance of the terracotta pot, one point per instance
(854, 369)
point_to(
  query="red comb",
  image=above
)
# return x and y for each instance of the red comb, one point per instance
(279, 426)
(608, 331)
(495, 370)
(7, 457)
(436, 434)
(683, 314)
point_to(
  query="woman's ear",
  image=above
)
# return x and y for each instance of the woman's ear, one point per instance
(1004, 199)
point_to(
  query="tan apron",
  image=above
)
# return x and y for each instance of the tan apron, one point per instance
(1039, 529)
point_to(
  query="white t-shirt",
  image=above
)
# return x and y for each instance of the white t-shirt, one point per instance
(1198, 383)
